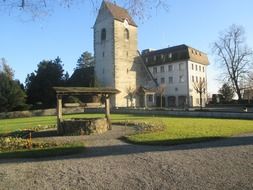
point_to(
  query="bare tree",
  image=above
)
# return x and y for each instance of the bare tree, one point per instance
(234, 55)
(249, 80)
(160, 91)
(200, 88)
(38, 8)
(131, 94)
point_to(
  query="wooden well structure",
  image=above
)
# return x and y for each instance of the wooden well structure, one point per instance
(77, 91)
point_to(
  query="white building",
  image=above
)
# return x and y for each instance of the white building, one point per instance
(178, 69)
(118, 64)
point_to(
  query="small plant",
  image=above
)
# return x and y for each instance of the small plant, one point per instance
(145, 126)
(29, 141)
(13, 144)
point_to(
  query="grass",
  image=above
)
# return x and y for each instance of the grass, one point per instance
(185, 130)
(177, 129)
(67, 149)
(11, 125)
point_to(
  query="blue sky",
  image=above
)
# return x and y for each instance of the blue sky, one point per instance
(68, 32)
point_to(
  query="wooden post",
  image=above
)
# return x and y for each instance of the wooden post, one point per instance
(107, 111)
(59, 113)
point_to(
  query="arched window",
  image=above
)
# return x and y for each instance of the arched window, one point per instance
(126, 34)
(103, 34)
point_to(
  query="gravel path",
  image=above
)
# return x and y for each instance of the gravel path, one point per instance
(109, 163)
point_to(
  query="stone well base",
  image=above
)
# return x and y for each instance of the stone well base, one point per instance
(84, 126)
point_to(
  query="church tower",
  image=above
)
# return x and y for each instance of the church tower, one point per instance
(115, 47)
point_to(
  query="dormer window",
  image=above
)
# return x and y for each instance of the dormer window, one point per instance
(103, 34)
(126, 34)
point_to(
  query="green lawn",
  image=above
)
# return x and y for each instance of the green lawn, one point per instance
(183, 130)
(177, 129)
(10, 125)
(62, 150)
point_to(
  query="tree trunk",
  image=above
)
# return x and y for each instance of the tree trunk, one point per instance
(238, 92)
(200, 96)
(161, 98)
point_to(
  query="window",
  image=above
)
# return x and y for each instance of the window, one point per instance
(103, 34)
(196, 67)
(204, 79)
(126, 34)
(200, 79)
(103, 54)
(181, 66)
(192, 78)
(154, 58)
(197, 80)
(162, 57)
(162, 80)
(170, 55)
(170, 67)
(170, 80)
(203, 69)
(154, 70)
(162, 69)
(150, 98)
(155, 80)
(192, 67)
(181, 78)
(199, 68)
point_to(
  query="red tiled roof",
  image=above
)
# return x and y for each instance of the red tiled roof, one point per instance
(119, 13)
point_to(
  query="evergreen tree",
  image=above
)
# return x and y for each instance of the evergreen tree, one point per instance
(12, 97)
(227, 92)
(86, 60)
(39, 84)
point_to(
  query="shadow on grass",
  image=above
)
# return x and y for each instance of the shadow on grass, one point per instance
(35, 134)
(172, 142)
(45, 133)
(43, 153)
(18, 134)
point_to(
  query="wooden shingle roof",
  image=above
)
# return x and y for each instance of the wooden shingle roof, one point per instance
(119, 13)
(84, 90)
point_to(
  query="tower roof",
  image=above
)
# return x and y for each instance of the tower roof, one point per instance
(119, 13)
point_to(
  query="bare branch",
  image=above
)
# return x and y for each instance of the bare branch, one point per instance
(38, 8)
(200, 88)
(234, 55)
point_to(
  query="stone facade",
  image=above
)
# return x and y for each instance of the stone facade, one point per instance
(84, 126)
(117, 61)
